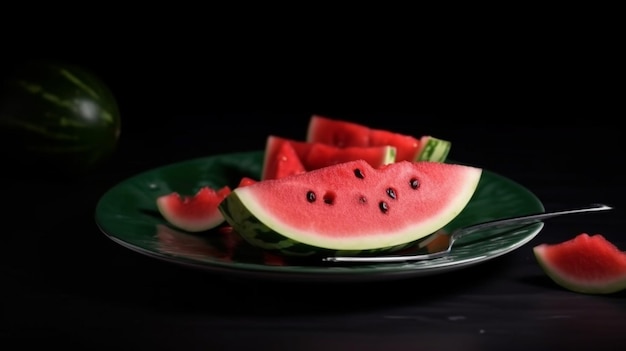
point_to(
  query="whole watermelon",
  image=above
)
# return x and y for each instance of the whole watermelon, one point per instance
(56, 118)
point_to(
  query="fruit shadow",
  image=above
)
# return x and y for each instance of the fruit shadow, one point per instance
(273, 294)
(542, 281)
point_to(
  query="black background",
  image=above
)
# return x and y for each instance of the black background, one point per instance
(548, 119)
(563, 107)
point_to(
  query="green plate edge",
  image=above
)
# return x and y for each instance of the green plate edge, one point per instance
(128, 215)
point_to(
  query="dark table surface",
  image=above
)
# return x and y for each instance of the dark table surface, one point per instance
(66, 284)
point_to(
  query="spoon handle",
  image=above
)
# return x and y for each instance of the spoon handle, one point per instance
(461, 232)
(525, 219)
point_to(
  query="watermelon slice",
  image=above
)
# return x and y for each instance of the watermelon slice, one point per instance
(342, 133)
(587, 264)
(193, 213)
(285, 156)
(281, 159)
(351, 207)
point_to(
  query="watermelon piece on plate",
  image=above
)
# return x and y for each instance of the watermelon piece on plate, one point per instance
(195, 213)
(281, 159)
(351, 207)
(587, 264)
(284, 156)
(245, 181)
(342, 133)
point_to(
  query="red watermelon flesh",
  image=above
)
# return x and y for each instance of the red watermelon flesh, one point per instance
(195, 213)
(336, 132)
(320, 155)
(342, 133)
(352, 206)
(283, 152)
(407, 146)
(281, 159)
(245, 181)
(587, 264)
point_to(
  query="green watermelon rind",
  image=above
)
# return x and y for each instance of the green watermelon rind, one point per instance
(433, 149)
(260, 235)
(390, 155)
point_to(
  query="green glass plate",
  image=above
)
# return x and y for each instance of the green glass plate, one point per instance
(128, 215)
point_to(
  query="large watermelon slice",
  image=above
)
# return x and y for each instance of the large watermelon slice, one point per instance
(298, 154)
(586, 264)
(342, 133)
(351, 207)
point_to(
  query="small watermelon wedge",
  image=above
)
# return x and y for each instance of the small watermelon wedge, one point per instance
(281, 159)
(350, 207)
(586, 264)
(193, 213)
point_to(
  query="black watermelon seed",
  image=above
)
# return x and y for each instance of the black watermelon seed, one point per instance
(329, 198)
(358, 173)
(391, 193)
(414, 183)
(310, 196)
(383, 206)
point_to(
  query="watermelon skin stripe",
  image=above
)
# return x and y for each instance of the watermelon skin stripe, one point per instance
(35, 89)
(70, 105)
(38, 129)
(434, 150)
(72, 78)
(63, 141)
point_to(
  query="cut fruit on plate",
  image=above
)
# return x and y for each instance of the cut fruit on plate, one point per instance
(193, 213)
(281, 159)
(351, 207)
(587, 264)
(344, 134)
(285, 156)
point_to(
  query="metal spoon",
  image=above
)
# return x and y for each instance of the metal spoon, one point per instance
(462, 232)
